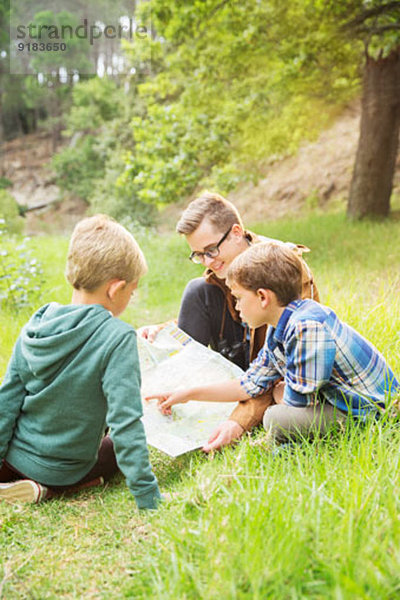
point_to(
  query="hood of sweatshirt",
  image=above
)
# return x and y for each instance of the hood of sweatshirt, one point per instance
(55, 332)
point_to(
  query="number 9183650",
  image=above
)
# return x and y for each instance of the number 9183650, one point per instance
(42, 47)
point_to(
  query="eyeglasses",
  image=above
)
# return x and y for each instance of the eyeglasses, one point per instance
(198, 257)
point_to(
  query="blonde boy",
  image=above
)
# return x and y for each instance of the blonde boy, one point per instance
(74, 371)
(328, 369)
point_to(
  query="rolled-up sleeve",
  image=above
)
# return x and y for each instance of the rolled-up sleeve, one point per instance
(261, 375)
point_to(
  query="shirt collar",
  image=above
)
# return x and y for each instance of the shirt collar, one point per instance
(279, 332)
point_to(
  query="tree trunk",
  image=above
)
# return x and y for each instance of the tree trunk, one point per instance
(2, 161)
(372, 181)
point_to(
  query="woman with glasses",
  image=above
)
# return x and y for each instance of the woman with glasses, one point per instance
(215, 233)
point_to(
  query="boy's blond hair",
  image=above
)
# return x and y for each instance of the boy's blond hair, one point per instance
(101, 250)
(270, 266)
(221, 213)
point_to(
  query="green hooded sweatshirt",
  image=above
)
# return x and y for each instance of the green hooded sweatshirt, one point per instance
(74, 371)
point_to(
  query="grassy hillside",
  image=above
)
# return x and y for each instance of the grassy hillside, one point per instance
(320, 522)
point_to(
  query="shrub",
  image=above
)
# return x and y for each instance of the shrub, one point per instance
(78, 167)
(5, 183)
(10, 214)
(120, 199)
(20, 272)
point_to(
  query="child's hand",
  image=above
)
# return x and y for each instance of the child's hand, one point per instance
(150, 332)
(165, 401)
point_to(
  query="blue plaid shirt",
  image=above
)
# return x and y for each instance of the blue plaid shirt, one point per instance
(321, 360)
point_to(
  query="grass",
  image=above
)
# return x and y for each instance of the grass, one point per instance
(318, 522)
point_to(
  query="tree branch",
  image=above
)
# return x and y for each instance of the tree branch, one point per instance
(373, 12)
(377, 29)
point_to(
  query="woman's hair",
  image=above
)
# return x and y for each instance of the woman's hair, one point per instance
(218, 211)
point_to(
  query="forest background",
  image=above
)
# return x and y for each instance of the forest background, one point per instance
(218, 93)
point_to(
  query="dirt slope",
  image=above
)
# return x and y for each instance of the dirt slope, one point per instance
(26, 162)
(320, 172)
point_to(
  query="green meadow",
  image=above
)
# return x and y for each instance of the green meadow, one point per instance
(321, 521)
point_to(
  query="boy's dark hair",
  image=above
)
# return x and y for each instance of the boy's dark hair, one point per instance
(271, 266)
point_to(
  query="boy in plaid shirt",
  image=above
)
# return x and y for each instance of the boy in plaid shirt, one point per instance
(328, 370)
